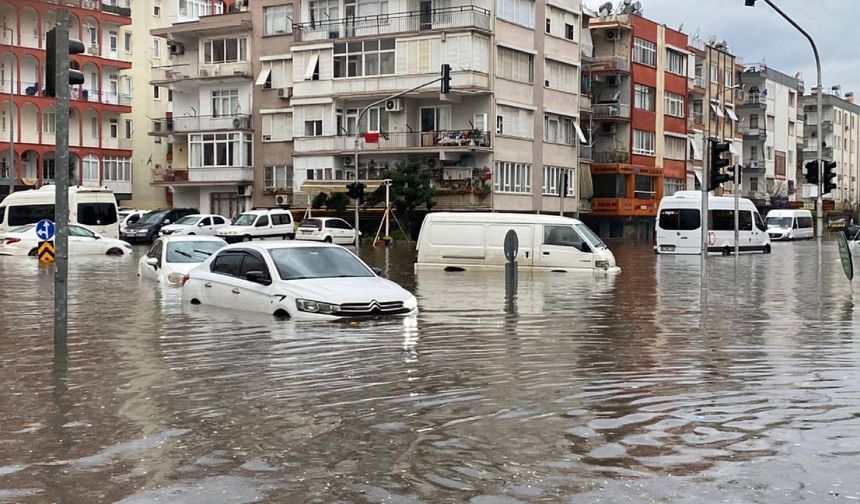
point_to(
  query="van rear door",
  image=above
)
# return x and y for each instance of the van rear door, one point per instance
(679, 231)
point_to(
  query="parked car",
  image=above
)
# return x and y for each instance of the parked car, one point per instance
(147, 228)
(129, 217)
(259, 224)
(295, 279)
(790, 225)
(82, 241)
(195, 224)
(326, 229)
(171, 257)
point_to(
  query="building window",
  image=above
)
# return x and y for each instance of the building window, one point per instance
(277, 127)
(645, 52)
(676, 147)
(323, 10)
(156, 48)
(117, 169)
(515, 65)
(676, 62)
(48, 168)
(94, 127)
(521, 12)
(559, 129)
(727, 78)
(90, 166)
(225, 102)
(156, 8)
(368, 58)
(643, 142)
(769, 153)
(198, 8)
(569, 32)
(128, 129)
(512, 121)
(643, 97)
(673, 104)
(318, 174)
(644, 187)
(220, 150)
(560, 76)
(376, 119)
(229, 50)
(156, 92)
(792, 99)
(49, 123)
(279, 74)
(754, 153)
(552, 180)
(791, 158)
(560, 23)
(278, 19)
(278, 177)
(771, 123)
(313, 127)
(672, 185)
(435, 118)
(113, 41)
(753, 121)
(754, 184)
(513, 177)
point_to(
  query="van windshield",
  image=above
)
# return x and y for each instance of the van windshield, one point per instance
(29, 214)
(778, 222)
(97, 214)
(246, 219)
(589, 235)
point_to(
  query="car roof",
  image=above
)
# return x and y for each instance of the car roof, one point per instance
(323, 218)
(193, 238)
(261, 211)
(279, 244)
(205, 215)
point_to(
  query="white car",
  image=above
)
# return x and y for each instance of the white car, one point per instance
(195, 224)
(327, 229)
(260, 225)
(297, 280)
(172, 257)
(82, 241)
(127, 217)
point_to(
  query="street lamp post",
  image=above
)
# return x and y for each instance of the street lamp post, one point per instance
(819, 203)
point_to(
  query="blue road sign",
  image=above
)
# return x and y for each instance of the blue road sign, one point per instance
(45, 229)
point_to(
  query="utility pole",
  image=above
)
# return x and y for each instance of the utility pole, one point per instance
(737, 188)
(59, 35)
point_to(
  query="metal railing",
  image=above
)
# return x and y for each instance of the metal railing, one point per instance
(612, 156)
(465, 138)
(610, 110)
(754, 99)
(609, 63)
(699, 82)
(185, 124)
(466, 16)
(586, 153)
(162, 175)
(697, 117)
(751, 132)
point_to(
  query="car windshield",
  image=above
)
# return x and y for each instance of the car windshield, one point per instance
(246, 219)
(188, 219)
(778, 222)
(152, 217)
(314, 223)
(590, 236)
(191, 251)
(297, 263)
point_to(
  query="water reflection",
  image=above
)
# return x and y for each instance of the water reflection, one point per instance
(585, 388)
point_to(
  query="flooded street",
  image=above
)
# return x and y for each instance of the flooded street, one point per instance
(587, 389)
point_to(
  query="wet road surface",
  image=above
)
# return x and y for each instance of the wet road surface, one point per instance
(586, 389)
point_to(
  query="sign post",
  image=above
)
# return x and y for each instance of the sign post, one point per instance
(845, 256)
(45, 250)
(512, 244)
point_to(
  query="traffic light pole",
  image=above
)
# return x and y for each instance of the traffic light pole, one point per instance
(61, 202)
(737, 191)
(706, 181)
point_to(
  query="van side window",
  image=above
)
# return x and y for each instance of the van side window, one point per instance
(796, 224)
(262, 221)
(745, 220)
(564, 236)
(683, 219)
(97, 214)
(2, 214)
(20, 215)
(805, 222)
(759, 223)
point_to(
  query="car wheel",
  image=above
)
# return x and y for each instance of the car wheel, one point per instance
(114, 252)
(33, 253)
(281, 314)
(246, 238)
(327, 239)
(191, 234)
(766, 249)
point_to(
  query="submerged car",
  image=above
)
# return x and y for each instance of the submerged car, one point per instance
(82, 241)
(195, 224)
(172, 257)
(327, 229)
(297, 280)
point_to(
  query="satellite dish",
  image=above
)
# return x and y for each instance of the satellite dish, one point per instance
(605, 9)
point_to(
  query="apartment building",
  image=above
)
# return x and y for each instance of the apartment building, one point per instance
(840, 128)
(771, 122)
(502, 138)
(714, 94)
(100, 147)
(639, 109)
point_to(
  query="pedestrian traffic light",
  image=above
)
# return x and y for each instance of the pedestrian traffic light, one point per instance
(829, 175)
(718, 162)
(76, 77)
(811, 172)
(446, 78)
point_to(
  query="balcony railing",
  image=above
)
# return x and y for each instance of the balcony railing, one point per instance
(466, 16)
(697, 118)
(586, 153)
(754, 99)
(466, 139)
(187, 124)
(754, 132)
(699, 82)
(161, 175)
(611, 156)
(610, 110)
(116, 9)
(609, 63)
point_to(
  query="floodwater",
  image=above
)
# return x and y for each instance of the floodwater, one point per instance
(587, 389)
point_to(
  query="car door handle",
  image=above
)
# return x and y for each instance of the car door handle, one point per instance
(235, 291)
(546, 253)
(207, 284)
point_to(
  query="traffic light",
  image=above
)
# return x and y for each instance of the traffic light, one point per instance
(355, 191)
(718, 162)
(446, 78)
(829, 175)
(811, 172)
(76, 77)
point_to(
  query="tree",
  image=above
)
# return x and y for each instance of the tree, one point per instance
(337, 202)
(410, 190)
(319, 201)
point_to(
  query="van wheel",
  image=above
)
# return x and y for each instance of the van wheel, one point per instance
(191, 234)
(327, 239)
(727, 251)
(766, 249)
(281, 314)
(33, 253)
(246, 238)
(195, 301)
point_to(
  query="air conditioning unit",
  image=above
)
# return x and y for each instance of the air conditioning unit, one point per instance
(612, 35)
(286, 92)
(176, 48)
(237, 122)
(394, 105)
(282, 200)
(347, 162)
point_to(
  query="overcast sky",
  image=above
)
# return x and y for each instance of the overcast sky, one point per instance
(759, 34)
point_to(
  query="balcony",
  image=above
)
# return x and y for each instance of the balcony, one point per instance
(189, 124)
(610, 111)
(190, 73)
(754, 134)
(624, 207)
(116, 9)
(586, 154)
(166, 176)
(699, 83)
(466, 16)
(611, 157)
(118, 186)
(609, 64)
(754, 101)
(697, 118)
(202, 176)
(464, 140)
(755, 167)
(217, 24)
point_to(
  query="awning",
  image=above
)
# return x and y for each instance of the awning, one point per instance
(579, 133)
(697, 150)
(733, 149)
(717, 110)
(264, 76)
(731, 113)
(586, 189)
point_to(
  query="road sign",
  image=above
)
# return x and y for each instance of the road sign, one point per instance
(845, 255)
(46, 252)
(45, 229)
(512, 244)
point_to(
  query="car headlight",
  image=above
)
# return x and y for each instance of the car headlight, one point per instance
(411, 303)
(601, 264)
(309, 306)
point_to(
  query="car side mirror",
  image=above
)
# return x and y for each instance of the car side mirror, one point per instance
(257, 277)
(377, 271)
(152, 261)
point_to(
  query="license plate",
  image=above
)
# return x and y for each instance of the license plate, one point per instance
(667, 248)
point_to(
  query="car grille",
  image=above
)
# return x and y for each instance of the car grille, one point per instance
(371, 308)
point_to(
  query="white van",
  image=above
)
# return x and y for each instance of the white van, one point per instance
(260, 224)
(679, 225)
(94, 207)
(790, 225)
(462, 241)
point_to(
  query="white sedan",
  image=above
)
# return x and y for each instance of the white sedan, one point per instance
(82, 241)
(293, 279)
(195, 224)
(172, 257)
(327, 229)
